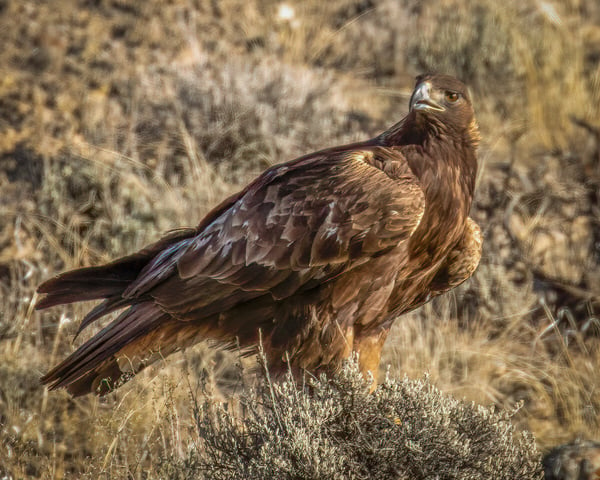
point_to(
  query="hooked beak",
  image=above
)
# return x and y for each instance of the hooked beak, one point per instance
(421, 99)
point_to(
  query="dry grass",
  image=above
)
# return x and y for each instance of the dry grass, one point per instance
(519, 364)
(120, 122)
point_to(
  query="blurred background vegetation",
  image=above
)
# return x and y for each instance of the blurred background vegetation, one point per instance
(120, 120)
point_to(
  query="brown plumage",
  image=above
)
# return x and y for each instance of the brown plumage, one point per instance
(321, 254)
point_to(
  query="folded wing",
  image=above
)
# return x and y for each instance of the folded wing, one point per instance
(295, 228)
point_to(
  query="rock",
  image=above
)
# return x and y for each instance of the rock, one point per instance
(579, 460)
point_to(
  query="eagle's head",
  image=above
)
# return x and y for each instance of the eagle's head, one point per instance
(444, 100)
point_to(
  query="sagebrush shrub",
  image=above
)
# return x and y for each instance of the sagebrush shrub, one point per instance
(335, 429)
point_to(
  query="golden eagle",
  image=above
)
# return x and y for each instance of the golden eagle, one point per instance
(320, 255)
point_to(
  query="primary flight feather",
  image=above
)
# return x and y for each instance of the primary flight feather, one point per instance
(320, 254)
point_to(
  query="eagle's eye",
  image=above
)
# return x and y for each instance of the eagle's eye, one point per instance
(451, 97)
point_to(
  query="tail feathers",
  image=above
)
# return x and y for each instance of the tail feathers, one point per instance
(101, 380)
(83, 284)
(94, 367)
(107, 306)
(112, 279)
(140, 334)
